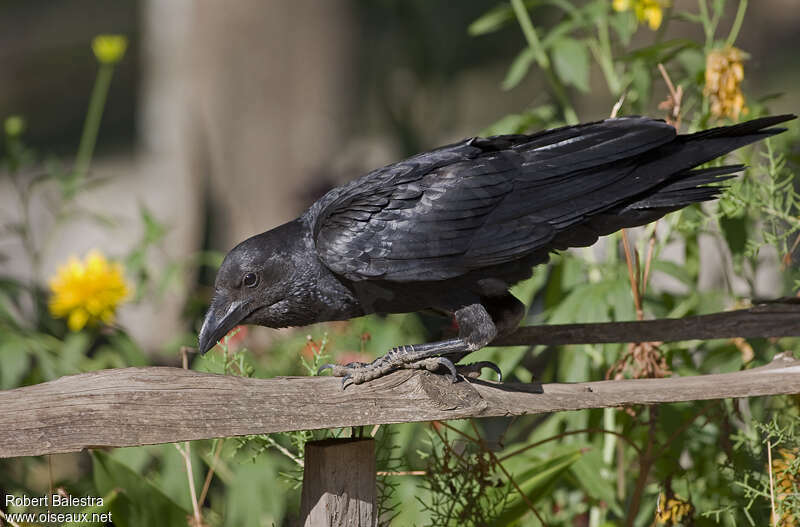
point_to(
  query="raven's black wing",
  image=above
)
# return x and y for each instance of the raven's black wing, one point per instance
(485, 202)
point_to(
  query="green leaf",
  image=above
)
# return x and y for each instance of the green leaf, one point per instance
(684, 307)
(641, 81)
(108, 501)
(559, 32)
(621, 298)
(74, 349)
(567, 7)
(251, 498)
(15, 363)
(501, 14)
(722, 358)
(693, 61)
(10, 310)
(128, 349)
(519, 68)
(735, 231)
(534, 483)
(154, 230)
(138, 502)
(688, 16)
(674, 270)
(624, 25)
(491, 21)
(519, 123)
(571, 61)
(587, 473)
(662, 52)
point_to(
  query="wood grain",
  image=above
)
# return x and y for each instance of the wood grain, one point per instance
(339, 487)
(139, 406)
(774, 319)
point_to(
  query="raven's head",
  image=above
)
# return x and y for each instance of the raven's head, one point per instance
(250, 287)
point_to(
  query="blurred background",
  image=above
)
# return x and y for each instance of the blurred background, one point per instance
(227, 119)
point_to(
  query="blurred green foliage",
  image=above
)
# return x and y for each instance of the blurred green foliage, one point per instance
(697, 463)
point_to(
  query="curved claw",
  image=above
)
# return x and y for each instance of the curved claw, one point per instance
(447, 363)
(474, 368)
(492, 366)
(325, 367)
(345, 382)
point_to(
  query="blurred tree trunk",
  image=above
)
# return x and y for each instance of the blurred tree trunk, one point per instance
(269, 88)
(241, 105)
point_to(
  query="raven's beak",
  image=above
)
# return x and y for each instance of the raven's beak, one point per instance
(220, 319)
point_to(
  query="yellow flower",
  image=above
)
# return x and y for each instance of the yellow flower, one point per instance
(672, 510)
(650, 11)
(724, 75)
(109, 48)
(787, 483)
(87, 292)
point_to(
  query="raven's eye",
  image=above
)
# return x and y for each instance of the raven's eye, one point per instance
(250, 280)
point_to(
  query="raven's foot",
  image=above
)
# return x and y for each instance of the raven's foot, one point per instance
(401, 357)
(476, 329)
(406, 358)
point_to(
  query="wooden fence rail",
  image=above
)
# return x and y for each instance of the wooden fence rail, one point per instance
(140, 406)
(779, 318)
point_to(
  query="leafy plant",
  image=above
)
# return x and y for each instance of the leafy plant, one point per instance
(702, 463)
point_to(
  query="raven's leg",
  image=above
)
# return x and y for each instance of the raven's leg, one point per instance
(506, 312)
(476, 327)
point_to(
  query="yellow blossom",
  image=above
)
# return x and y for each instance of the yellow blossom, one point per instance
(109, 48)
(650, 11)
(87, 292)
(672, 510)
(724, 75)
(787, 483)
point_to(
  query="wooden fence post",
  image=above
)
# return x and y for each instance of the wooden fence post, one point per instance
(339, 485)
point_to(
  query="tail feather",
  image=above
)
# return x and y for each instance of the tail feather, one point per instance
(702, 176)
(684, 189)
(756, 126)
(692, 150)
(664, 180)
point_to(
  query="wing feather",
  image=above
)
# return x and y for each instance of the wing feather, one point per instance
(485, 202)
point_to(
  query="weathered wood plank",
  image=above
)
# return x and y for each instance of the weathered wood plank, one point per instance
(773, 319)
(339, 487)
(138, 406)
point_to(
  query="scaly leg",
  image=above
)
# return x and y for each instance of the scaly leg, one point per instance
(476, 330)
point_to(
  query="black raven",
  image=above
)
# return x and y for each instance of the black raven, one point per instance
(452, 229)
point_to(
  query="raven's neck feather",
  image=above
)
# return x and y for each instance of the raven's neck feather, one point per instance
(315, 294)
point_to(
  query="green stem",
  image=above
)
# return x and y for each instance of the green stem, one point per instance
(709, 32)
(715, 23)
(602, 52)
(543, 60)
(737, 23)
(93, 117)
(530, 34)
